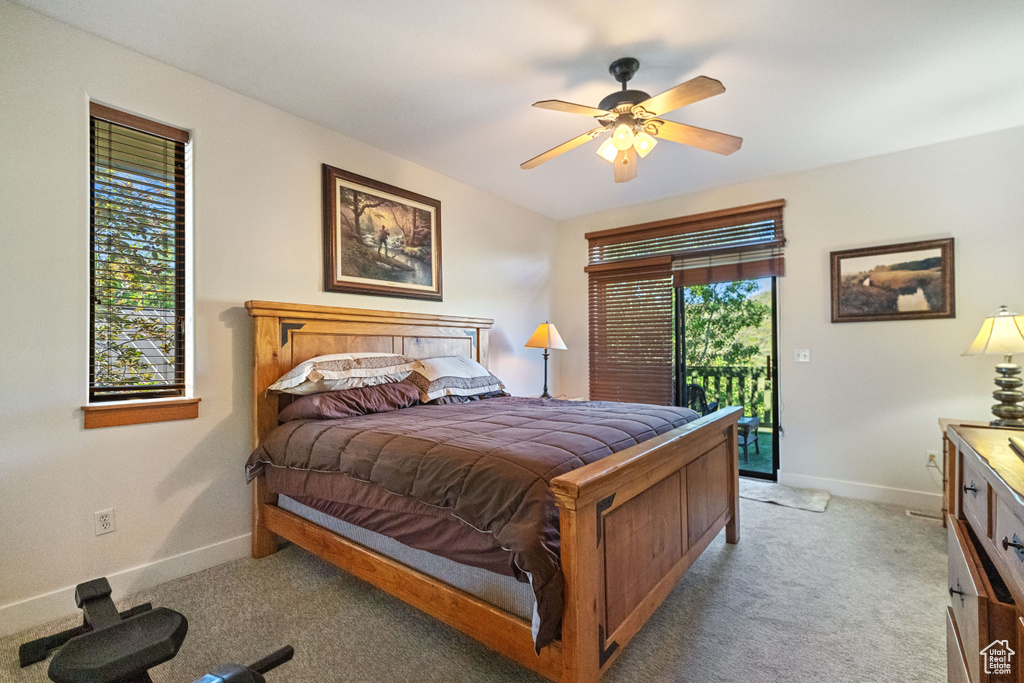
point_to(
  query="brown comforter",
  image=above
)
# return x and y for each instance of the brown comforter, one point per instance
(487, 464)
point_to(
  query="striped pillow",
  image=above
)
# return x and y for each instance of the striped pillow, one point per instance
(344, 371)
(452, 376)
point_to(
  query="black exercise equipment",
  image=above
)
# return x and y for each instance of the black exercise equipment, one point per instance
(109, 646)
(233, 673)
(120, 647)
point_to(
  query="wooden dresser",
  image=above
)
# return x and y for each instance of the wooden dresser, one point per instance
(984, 631)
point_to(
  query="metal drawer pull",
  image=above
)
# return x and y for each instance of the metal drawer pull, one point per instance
(971, 489)
(957, 592)
(1016, 545)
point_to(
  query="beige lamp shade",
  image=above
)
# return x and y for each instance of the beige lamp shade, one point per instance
(546, 337)
(1001, 334)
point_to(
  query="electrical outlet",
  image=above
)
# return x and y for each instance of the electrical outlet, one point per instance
(932, 462)
(802, 355)
(104, 521)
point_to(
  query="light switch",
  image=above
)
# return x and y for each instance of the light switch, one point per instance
(802, 355)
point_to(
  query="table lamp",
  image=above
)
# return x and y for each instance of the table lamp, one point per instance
(1002, 334)
(547, 337)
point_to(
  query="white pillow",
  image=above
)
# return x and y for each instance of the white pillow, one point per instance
(452, 376)
(344, 371)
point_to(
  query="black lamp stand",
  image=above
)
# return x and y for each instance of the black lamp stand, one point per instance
(546, 394)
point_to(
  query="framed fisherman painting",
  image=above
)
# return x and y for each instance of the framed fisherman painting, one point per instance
(380, 239)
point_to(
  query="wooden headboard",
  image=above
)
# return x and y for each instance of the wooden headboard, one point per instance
(284, 335)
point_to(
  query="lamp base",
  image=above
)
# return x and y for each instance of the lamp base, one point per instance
(546, 394)
(1009, 411)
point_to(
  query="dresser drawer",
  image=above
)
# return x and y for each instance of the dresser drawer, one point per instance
(981, 613)
(1009, 530)
(956, 663)
(974, 493)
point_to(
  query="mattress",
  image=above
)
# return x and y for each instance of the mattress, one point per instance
(502, 591)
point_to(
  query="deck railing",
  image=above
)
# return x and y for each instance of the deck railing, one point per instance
(736, 385)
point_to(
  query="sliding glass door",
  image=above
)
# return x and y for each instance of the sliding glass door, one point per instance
(726, 346)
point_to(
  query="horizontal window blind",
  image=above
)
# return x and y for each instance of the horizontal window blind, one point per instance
(738, 265)
(631, 339)
(137, 274)
(744, 229)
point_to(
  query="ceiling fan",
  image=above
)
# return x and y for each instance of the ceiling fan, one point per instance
(633, 116)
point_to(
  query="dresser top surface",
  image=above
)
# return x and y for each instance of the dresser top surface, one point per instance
(994, 446)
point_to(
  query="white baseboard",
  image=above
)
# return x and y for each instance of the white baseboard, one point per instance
(41, 609)
(921, 501)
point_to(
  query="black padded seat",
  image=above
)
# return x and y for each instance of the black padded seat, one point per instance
(121, 652)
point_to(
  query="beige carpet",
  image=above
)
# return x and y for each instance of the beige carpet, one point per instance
(814, 500)
(853, 596)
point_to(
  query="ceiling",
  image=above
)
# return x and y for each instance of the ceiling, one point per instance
(448, 85)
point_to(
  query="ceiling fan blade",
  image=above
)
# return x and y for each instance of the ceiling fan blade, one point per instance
(570, 108)
(625, 165)
(693, 136)
(693, 90)
(564, 147)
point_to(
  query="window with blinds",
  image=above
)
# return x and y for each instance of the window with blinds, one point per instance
(137, 274)
(633, 274)
(631, 339)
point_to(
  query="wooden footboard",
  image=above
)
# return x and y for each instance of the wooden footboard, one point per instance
(631, 525)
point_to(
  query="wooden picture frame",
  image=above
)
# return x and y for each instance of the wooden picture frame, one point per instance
(908, 281)
(379, 239)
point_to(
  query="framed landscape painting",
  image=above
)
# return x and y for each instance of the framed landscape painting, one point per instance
(380, 239)
(896, 282)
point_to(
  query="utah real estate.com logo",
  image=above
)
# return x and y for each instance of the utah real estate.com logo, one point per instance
(997, 658)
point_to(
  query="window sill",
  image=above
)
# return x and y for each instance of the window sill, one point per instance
(139, 412)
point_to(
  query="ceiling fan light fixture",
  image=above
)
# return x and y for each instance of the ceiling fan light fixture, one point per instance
(644, 143)
(607, 150)
(623, 136)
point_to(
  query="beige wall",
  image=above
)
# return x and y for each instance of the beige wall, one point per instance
(178, 488)
(861, 415)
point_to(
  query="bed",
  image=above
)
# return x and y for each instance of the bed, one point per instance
(664, 499)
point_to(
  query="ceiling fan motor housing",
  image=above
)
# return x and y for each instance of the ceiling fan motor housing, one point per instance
(623, 97)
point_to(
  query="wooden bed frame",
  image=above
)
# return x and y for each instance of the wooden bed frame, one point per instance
(631, 524)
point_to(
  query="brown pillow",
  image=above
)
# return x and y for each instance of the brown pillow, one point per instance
(330, 405)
